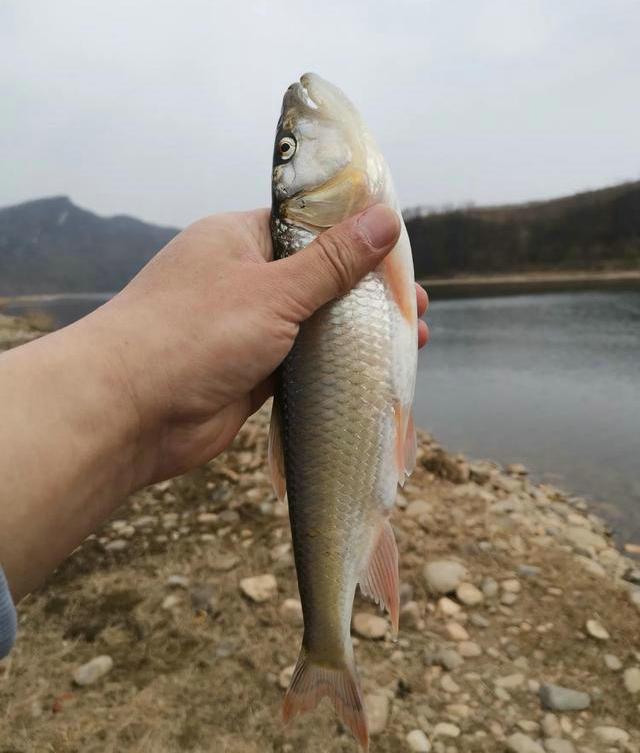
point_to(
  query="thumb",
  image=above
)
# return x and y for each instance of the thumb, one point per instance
(338, 258)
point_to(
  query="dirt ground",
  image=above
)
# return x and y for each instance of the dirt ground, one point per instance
(197, 664)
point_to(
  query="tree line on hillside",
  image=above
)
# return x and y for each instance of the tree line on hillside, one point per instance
(592, 231)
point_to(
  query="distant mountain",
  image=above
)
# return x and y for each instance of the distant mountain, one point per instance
(596, 230)
(52, 246)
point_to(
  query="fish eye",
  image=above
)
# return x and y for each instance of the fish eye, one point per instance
(286, 147)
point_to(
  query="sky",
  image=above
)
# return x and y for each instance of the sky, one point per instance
(167, 110)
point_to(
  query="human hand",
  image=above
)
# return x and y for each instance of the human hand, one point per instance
(198, 333)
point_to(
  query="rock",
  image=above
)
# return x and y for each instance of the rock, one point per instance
(291, 611)
(418, 742)
(280, 551)
(229, 517)
(558, 698)
(446, 658)
(584, 539)
(481, 472)
(177, 581)
(449, 685)
(611, 734)
(521, 743)
(511, 585)
(444, 576)
(92, 671)
(459, 710)
(469, 649)
(222, 563)
(489, 587)
(591, 566)
(448, 607)
(171, 601)
(634, 598)
(369, 625)
(632, 680)
(612, 662)
(529, 571)
(479, 621)
(417, 508)
(551, 726)
(446, 729)
(117, 545)
(259, 588)
(558, 745)
(509, 681)
(377, 705)
(469, 595)
(456, 632)
(528, 726)
(508, 598)
(516, 469)
(284, 678)
(597, 631)
(207, 518)
(410, 616)
(203, 598)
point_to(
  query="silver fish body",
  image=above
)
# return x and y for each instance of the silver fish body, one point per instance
(342, 436)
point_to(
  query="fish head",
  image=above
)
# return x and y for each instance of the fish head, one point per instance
(325, 164)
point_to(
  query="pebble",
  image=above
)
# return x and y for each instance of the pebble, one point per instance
(521, 743)
(558, 698)
(509, 681)
(410, 616)
(417, 508)
(284, 678)
(377, 705)
(449, 685)
(177, 581)
(632, 680)
(203, 597)
(611, 734)
(92, 671)
(508, 598)
(469, 595)
(206, 518)
(446, 729)
(447, 658)
(259, 588)
(448, 607)
(558, 745)
(444, 576)
(222, 563)
(612, 662)
(418, 741)
(551, 726)
(489, 587)
(170, 601)
(456, 632)
(479, 621)
(369, 625)
(529, 571)
(511, 585)
(117, 545)
(597, 631)
(583, 538)
(469, 649)
(291, 611)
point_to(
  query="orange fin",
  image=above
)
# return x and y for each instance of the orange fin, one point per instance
(312, 682)
(380, 582)
(410, 447)
(401, 292)
(276, 452)
(405, 446)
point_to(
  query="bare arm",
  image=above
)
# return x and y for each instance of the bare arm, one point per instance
(161, 378)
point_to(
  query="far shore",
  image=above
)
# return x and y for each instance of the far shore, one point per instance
(476, 286)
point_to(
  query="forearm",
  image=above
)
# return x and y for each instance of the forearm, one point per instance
(70, 447)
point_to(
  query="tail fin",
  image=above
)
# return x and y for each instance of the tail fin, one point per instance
(311, 682)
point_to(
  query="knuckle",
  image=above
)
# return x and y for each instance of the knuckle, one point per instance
(336, 258)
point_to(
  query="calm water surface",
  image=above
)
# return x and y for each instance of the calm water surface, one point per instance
(552, 381)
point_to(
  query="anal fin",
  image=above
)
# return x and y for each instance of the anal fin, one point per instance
(276, 451)
(380, 582)
(311, 682)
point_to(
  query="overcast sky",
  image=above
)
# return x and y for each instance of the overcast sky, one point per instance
(166, 109)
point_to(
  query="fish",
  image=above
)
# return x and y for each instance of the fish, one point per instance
(342, 436)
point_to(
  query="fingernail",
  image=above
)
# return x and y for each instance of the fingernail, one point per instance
(380, 225)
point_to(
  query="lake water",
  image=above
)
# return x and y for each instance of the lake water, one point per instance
(552, 381)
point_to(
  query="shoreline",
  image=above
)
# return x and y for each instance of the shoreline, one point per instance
(479, 286)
